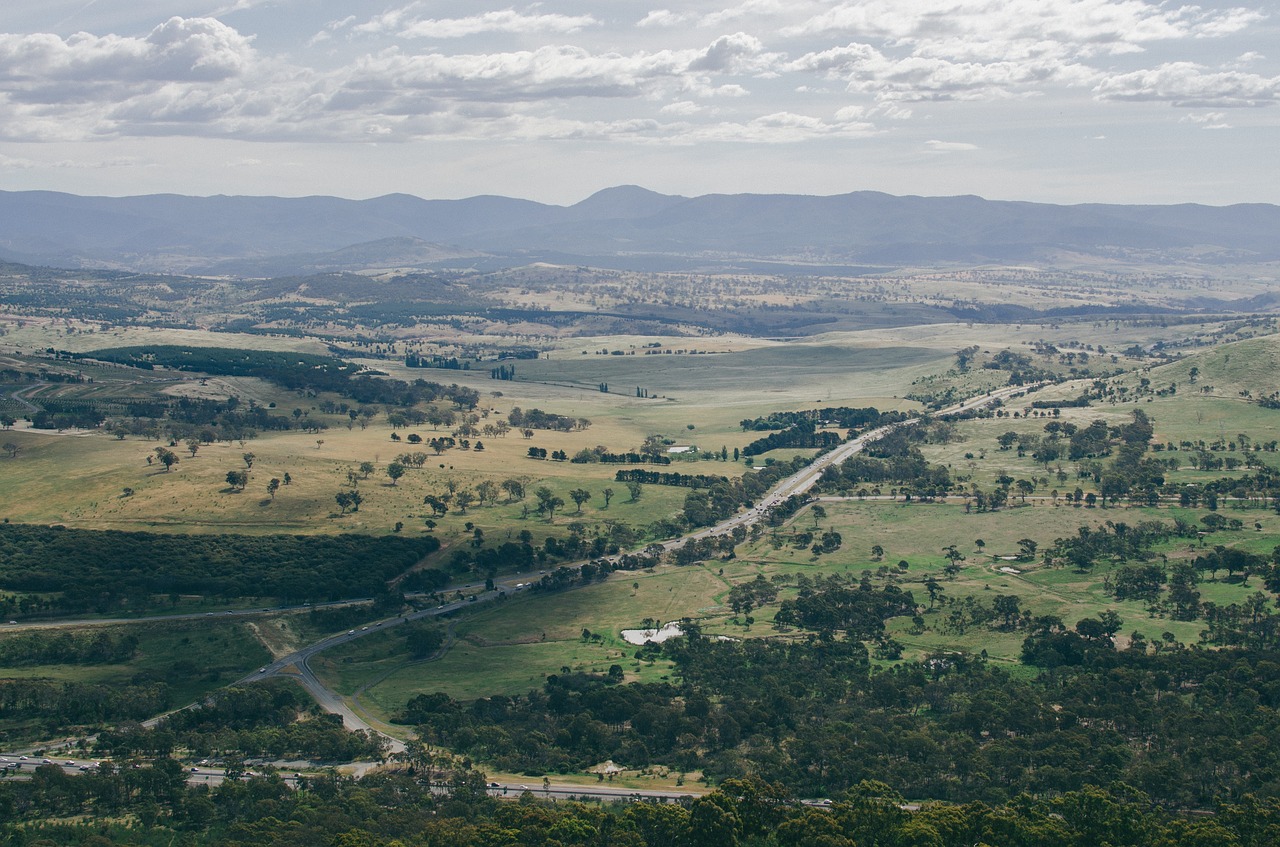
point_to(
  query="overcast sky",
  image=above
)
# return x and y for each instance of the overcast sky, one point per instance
(1064, 101)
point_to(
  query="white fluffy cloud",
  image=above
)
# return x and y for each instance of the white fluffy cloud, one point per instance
(1189, 84)
(750, 71)
(180, 49)
(981, 22)
(406, 24)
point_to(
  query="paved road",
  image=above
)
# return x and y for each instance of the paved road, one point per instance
(804, 479)
(297, 665)
(64, 623)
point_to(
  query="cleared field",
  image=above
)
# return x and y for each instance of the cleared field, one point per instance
(510, 647)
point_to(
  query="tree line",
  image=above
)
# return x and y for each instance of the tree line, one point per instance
(101, 569)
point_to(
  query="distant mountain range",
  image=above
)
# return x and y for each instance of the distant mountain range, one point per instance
(626, 227)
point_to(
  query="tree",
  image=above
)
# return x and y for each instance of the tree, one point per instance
(272, 487)
(486, 491)
(1027, 549)
(367, 468)
(818, 514)
(514, 489)
(237, 480)
(395, 470)
(248, 460)
(193, 445)
(579, 496)
(877, 552)
(634, 489)
(608, 495)
(979, 544)
(12, 449)
(1006, 606)
(548, 502)
(343, 499)
(463, 499)
(288, 480)
(166, 457)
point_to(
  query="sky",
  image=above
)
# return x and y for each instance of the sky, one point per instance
(1061, 101)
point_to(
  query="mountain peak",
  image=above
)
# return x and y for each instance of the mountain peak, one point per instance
(624, 201)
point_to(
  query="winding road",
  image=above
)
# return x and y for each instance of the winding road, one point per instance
(296, 665)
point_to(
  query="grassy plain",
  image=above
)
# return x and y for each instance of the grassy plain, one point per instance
(510, 648)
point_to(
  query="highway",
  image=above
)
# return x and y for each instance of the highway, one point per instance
(296, 665)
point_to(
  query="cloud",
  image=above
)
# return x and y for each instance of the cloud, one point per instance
(1190, 84)
(548, 72)
(748, 8)
(42, 67)
(24, 164)
(681, 107)
(663, 77)
(504, 21)
(867, 70)
(950, 146)
(1079, 22)
(729, 54)
(407, 22)
(665, 18)
(1208, 120)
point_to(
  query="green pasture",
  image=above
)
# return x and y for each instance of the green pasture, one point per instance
(509, 647)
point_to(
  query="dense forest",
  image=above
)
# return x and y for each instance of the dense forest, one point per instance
(153, 806)
(1181, 723)
(99, 570)
(275, 719)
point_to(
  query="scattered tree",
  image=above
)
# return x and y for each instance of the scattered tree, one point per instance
(395, 470)
(166, 457)
(548, 502)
